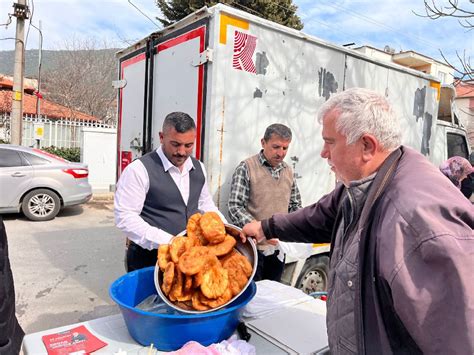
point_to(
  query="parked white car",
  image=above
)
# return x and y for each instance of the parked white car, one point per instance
(38, 183)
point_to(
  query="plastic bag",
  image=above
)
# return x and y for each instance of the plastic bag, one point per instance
(272, 296)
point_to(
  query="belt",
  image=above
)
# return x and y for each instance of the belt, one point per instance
(128, 242)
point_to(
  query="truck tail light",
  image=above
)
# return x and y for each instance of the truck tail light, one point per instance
(77, 173)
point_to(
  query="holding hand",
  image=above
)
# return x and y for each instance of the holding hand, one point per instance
(253, 230)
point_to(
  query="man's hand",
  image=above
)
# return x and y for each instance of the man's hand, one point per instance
(253, 230)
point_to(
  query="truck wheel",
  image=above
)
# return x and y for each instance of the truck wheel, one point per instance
(314, 276)
(40, 205)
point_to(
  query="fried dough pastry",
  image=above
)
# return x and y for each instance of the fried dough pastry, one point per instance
(224, 247)
(192, 261)
(177, 292)
(223, 258)
(215, 281)
(196, 301)
(188, 283)
(186, 305)
(213, 228)
(164, 256)
(197, 279)
(168, 278)
(237, 260)
(211, 261)
(239, 271)
(219, 301)
(203, 271)
(177, 248)
(237, 279)
(185, 296)
(194, 232)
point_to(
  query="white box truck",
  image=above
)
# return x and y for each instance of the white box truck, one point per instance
(236, 73)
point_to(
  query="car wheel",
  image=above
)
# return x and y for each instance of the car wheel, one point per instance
(41, 205)
(314, 276)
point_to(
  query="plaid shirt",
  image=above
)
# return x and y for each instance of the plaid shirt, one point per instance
(240, 192)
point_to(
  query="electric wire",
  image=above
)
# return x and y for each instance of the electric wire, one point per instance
(139, 10)
(363, 18)
(379, 24)
(8, 22)
(31, 20)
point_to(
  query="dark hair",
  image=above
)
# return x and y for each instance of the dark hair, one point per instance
(279, 130)
(180, 121)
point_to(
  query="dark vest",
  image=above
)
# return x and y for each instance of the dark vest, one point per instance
(164, 207)
(11, 334)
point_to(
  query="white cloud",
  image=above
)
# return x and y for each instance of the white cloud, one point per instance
(114, 20)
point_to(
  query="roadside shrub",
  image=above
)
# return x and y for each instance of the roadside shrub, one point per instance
(71, 154)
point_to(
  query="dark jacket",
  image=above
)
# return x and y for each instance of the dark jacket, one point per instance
(11, 334)
(467, 185)
(415, 286)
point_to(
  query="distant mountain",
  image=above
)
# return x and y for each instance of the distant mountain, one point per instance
(80, 80)
(49, 62)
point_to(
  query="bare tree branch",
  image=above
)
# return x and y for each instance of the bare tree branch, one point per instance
(82, 78)
(435, 11)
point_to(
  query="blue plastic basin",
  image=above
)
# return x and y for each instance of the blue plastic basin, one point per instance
(170, 332)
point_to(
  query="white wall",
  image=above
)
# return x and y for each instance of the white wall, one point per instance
(375, 53)
(99, 152)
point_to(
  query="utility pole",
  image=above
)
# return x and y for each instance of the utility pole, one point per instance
(20, 11)
(40, 49)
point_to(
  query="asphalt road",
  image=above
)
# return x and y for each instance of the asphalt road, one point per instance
(62, 268)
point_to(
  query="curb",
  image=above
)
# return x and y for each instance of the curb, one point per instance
(103, 197)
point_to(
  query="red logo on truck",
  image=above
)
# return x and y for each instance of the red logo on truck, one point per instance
(244, 47)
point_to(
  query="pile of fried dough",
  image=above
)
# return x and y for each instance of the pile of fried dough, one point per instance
(203, 270)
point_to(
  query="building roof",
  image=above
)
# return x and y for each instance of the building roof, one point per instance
(6, 83)
(464, 89)
(48, 108)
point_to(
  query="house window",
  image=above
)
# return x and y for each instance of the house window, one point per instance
(442, 77)
(457, 146)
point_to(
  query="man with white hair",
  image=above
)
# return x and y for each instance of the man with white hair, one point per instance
(402, 243)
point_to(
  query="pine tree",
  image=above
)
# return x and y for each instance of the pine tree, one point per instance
(280, 11)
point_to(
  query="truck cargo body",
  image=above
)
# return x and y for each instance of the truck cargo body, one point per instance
(235, 74)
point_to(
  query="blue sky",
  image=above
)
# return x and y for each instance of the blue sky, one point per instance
(364, 22)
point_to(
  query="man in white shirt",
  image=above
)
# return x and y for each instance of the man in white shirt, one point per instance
(157, 193)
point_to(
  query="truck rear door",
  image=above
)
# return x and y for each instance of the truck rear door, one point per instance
(179, 74)
(167, 74)
(130, 110)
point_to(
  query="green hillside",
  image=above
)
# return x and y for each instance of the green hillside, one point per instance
(49, 61)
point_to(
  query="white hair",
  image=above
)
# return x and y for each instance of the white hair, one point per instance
(362, 111)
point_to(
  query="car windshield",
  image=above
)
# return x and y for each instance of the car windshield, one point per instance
(50, 155)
